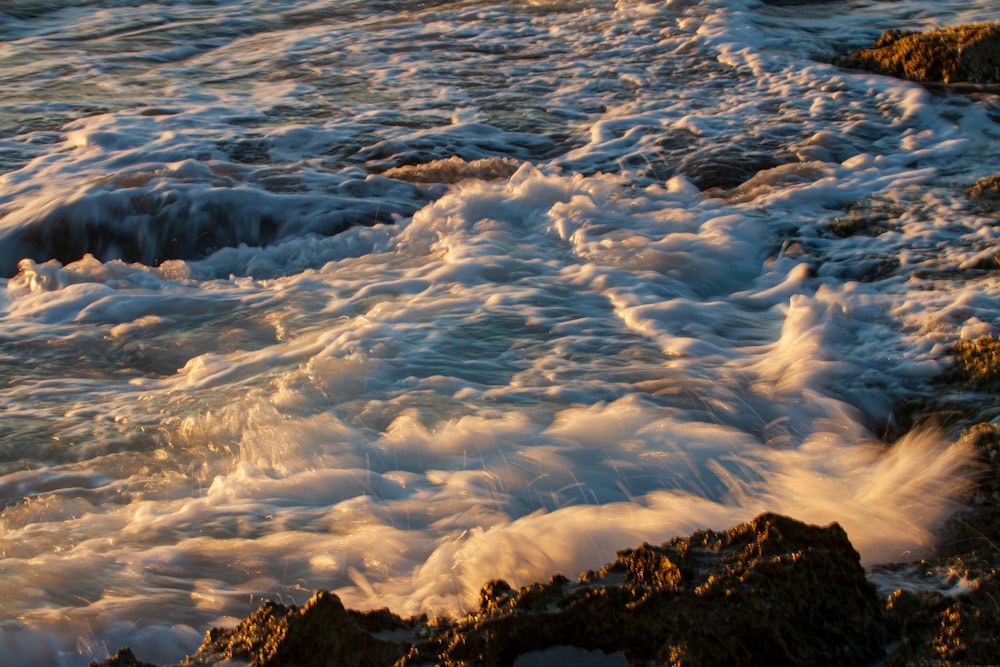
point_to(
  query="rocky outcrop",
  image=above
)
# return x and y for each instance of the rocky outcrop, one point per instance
(936, 629)
(966, 53)
(985, 195)
(125, 658)
(958, 624)
(319, 633)
(773, 591)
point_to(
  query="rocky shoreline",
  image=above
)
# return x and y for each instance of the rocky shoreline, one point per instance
(773, 591)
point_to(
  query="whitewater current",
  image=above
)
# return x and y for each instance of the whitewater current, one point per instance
(392, 298)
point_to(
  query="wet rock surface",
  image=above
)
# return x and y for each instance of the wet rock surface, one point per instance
(987, 188)
(773, 591)
(965, 53)
(949, 613)
(320, 632)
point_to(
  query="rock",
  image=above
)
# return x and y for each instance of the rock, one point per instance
(772, 591)
(977, 363)
(123, 658)
(987, 187)
(936, 629)
(966, 53)
(953, 618)
(318, 634)
(454, 169)
(973, 534)
(725, 167)
(869, 217)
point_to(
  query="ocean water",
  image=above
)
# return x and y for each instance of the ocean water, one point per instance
(395, 297)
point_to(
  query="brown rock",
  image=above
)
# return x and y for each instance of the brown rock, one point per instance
(318, 634)
(977, 362)
(936, 629)
(966, 53)
(773, 591)
(987, 187)
(770, 592)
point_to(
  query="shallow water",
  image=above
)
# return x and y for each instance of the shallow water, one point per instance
(392, 298)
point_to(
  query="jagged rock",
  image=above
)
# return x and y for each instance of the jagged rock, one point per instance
(955, 621)
(966, 53)
(770, 592)
(868, 217)
(320, 633)
(123, 658)
(455, 169)
(773, 591)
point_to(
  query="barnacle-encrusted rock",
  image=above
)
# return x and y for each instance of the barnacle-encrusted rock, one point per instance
(965, 53)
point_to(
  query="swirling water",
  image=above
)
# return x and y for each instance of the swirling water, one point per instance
(395, 297)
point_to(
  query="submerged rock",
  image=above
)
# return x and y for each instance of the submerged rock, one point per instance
(966, 53)
(987, 187)
(454, 169)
